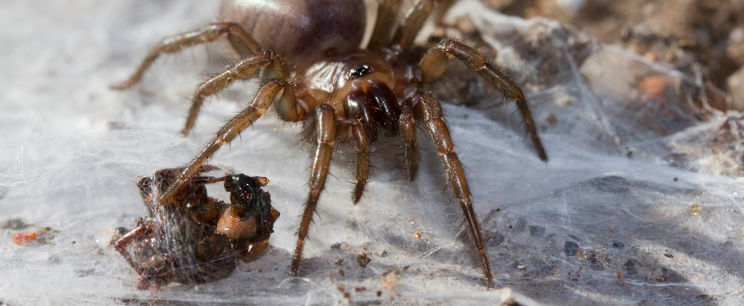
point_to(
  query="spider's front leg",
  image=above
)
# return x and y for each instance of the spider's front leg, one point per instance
(239, 39)
(243, 70)
(435, 61)
(432, 115)
(264, 98)
(326, 129)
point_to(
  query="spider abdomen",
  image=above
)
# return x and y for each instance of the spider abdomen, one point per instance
(302, 31)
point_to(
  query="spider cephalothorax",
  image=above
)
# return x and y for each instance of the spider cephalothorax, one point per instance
(314, 71)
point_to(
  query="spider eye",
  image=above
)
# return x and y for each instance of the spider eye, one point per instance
(360, 71)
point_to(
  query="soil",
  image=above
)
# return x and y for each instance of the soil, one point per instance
(704, 38)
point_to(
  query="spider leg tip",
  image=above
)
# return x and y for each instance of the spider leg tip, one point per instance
(489, 281)
(543, 156)
(122, 85)
(293, 271)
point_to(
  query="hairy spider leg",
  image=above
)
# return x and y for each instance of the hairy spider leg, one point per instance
(387, 15)
(261, 102)
(244, 69)
(362, 159)
(326, 129)
(407, 127)
(412, 23)
(440, 135)
(239, 39)
(434, 63)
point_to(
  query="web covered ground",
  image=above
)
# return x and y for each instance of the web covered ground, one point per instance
(641, 200)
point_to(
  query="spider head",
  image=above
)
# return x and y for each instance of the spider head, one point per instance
(358, 72)
(358, 85)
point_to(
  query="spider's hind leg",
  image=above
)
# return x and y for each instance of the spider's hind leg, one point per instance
(239, 39)
(444, 7)
(387, 14)
(435, 61)
(412, 23)
(440, 135)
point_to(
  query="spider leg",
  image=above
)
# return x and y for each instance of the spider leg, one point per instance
(246, 68)
(241, 41)
(387, 13)
(143, 228)
(326, 121)
(444, 7)
(227, 133)
(407, 127)
(434, 63)
(362, 160)
(432, 115)
(412, 23)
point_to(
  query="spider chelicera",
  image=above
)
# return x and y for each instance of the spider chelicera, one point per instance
(314, 71)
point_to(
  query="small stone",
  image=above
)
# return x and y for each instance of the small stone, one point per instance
(630, 267)
(570, 248)
(14, 224)
(617, 244)
(24, 238)
(363, 260)
(696, 209)
(536, 231)
(520, 225)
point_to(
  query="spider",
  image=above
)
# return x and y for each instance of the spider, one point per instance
(193, 238)
(314, 71)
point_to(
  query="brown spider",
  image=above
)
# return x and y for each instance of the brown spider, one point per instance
(316, 72)
(193, 238)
